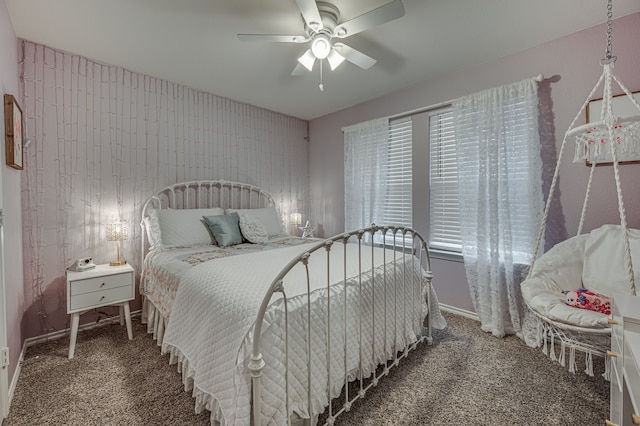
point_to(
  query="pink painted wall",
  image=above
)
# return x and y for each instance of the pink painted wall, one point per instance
(10, 200)
(571, 67)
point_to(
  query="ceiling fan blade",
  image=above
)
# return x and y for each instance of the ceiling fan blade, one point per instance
(310, 13)
(355, 56)
(375, 17)
(273, 38)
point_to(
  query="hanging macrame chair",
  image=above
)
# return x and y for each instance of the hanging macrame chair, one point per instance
(601, 259)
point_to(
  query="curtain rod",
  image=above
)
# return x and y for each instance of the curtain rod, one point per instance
(537, 78)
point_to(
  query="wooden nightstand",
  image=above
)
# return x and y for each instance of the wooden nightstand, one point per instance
(102, 286)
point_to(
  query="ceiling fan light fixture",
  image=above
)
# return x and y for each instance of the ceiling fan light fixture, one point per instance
(321, 46)
(308, 59)
(334, 59)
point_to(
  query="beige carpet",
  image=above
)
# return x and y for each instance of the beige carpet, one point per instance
(466, 377)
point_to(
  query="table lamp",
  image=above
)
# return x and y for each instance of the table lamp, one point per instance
(117, 231)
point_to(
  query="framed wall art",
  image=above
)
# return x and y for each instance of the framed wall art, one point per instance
(621, 107)
(13, 128)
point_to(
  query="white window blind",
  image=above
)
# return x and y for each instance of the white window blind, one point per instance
(444, 219)
(398, 199)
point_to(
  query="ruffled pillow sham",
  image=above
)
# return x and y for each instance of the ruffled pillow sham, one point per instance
(252, 229)
(267, 216)
(171, 228)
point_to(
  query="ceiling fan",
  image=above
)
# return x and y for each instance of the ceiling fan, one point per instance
(322, 25)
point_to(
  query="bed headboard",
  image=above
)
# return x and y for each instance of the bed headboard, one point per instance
(201, 194)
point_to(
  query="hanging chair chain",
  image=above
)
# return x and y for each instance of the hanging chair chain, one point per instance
(608, 56)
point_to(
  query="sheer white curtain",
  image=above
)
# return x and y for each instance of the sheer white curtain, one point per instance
(366, 148)
(501, 201)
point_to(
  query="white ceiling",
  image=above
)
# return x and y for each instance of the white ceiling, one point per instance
(194, 43)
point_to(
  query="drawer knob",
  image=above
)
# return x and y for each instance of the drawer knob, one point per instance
(612, 354)
(612, 321)
(102, 285)
(102, 298)
(635, 419)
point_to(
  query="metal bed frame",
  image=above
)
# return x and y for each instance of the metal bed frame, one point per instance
(403, 241)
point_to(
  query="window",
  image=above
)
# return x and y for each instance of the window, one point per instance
(398, 205)
(444, 220)
(397, 202)
(387, 161)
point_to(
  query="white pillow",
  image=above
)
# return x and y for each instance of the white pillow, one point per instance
(184, 228)
(268, 216)
(252, 229)
(152, 226)
(605, 263)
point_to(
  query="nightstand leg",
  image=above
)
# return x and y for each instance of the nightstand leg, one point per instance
(127, 318)
(121, 314)
(75, 321)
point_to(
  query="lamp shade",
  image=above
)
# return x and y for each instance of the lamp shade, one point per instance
(117, 231)
(307, 59)
(295, 218)
(335, 59)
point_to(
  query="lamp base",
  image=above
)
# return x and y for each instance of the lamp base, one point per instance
(118, 262)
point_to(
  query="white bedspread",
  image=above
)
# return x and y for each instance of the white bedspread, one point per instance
(216, 305)
(163, 270)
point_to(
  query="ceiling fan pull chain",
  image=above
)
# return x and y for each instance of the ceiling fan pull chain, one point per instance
(321, 86)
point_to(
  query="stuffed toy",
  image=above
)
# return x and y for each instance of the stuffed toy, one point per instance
(585, 299)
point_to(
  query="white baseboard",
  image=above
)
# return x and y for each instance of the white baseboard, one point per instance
(54, 336)
(62, 333)
(459, 311)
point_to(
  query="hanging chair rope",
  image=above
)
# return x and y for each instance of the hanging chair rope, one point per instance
(621, 210)
(622, 137)
(611, 125)
(556, 172)
(586, 197)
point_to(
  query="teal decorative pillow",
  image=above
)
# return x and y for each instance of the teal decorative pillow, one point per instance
(225, 229)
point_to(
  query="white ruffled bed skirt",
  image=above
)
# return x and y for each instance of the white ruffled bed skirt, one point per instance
(156, 324)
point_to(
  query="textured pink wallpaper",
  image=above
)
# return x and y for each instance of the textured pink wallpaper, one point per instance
(105, 139)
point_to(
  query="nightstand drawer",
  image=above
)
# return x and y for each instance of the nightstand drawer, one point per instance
(80, 302)
(90, 285)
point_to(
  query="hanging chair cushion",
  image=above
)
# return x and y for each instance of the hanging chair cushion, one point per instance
(568, 264)
(605, 267)
(558, 270)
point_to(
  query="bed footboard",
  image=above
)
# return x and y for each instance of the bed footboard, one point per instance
(371, 319)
